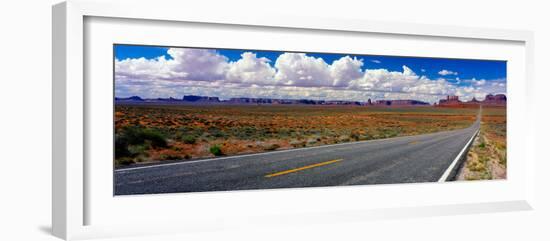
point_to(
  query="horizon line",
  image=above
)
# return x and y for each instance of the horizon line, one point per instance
(269, 98)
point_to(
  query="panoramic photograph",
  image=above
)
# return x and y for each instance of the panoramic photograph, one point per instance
(190, 119)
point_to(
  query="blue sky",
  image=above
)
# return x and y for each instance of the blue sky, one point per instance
(460, 75)
(466, 68)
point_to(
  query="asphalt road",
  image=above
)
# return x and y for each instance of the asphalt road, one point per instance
(421, 158)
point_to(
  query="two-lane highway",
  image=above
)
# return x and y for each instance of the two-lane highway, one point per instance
(420, 158)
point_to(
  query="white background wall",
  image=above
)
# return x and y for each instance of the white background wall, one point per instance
(25, 119)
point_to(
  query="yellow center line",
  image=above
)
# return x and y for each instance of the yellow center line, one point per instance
(302, 168)
(414, 142)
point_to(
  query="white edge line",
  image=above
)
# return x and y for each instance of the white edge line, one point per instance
(258, 154)
(455, 161)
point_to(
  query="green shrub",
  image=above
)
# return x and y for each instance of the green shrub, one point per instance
(188, 139)
(124, 161)
(157, 139)
(121, 147)
(216, 133)
(136, 150)
(216, 150)
(136, 136)
(195, 132)
(132, 142)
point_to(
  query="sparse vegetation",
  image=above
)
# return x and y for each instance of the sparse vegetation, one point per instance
(135, 135)
(145, 133)
(216, 150)
(132, 144)
(487, 157)
(188, 139)
(272, 147)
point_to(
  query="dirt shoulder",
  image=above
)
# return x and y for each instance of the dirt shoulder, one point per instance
(487, 157)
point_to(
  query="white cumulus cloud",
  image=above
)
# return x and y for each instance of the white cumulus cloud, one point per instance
(345, 70)
(385, 80)
(447, 72)
(298, 69)
(186, 63)
(198, 64)
(292, 75)
(251, 70)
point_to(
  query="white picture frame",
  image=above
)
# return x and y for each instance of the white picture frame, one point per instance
(72, 191)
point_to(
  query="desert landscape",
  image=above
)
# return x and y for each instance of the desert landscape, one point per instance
(189, 131)
(157, 132)
(194, 119)
(154, 131)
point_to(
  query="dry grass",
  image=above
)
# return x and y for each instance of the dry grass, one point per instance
(191, 130)
(487, 157)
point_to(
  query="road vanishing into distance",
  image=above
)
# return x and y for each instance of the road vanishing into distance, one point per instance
(420, 158)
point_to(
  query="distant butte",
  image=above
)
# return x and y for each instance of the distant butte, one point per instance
(498, 100)
(450, 101)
